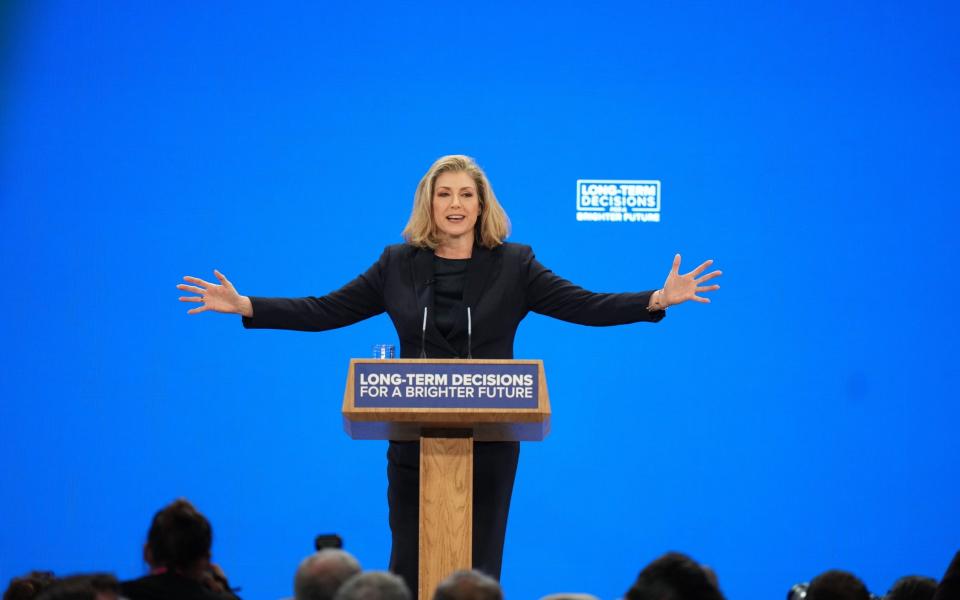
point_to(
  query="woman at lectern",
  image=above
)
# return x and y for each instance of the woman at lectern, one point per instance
(454, 266)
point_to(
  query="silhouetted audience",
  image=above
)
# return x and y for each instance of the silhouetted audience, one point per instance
(178, 552)
(374, 585)
(675, 576)
(837, 585)
(949, 587)
(28, 586)
(321, 574)
(468, 585)
(912, 587)
(98, 586)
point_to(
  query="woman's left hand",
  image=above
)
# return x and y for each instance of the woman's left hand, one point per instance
(680, 288)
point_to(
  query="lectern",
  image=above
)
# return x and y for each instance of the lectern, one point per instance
(446, 405)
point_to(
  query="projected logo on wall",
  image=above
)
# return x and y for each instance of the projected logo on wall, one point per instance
(618, 200)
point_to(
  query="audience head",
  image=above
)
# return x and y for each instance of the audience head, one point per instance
(179, 538)
(837, 585)
(674, 576)
(83, 587)
(373, 585)
(912, 587)
(320, 575)
(468, 585)
(28, 586)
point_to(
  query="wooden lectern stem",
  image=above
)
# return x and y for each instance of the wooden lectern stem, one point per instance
(446, 508)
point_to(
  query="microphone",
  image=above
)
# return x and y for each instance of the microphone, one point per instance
(425, 296)
(469, 334)
(423, 335)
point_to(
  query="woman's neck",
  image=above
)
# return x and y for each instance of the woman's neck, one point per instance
(456, 247)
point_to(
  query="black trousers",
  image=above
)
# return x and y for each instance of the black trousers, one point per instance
(494, 470)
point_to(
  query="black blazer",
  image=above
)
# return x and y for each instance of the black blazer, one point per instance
(502, 286)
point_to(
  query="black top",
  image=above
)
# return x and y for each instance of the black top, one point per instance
(450, 277)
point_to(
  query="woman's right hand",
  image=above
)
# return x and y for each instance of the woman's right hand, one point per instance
(220, 298)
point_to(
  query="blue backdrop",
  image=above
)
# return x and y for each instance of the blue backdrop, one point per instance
(805, 419)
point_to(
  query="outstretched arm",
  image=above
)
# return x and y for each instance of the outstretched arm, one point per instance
(556, 297)
(359, 299)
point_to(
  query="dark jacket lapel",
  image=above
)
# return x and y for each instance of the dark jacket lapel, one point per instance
(423, 285)
(483, 266)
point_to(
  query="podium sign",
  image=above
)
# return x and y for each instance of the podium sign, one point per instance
(497, 400)
(384, 384)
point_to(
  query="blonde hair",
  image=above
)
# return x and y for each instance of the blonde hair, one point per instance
(493, 226)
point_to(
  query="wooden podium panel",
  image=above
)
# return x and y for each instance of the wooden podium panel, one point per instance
(446, 509)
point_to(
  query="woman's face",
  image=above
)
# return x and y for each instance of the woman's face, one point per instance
(456, 204)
